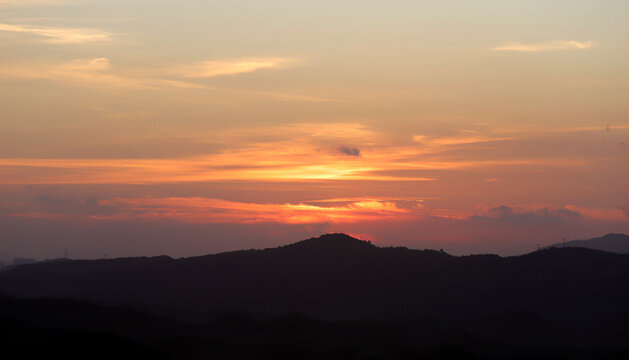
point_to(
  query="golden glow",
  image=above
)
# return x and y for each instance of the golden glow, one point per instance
(206, 210)
(313, 155)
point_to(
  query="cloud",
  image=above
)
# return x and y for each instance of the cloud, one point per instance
(348, 151)
(208, 69)
(93, 71)
(264, 162)
(209, 210)
(616, 214)
(437, 141)
(548, 46)
(61, 35)
(98, 72)
(299, 152)
(522, 215)
(46, 199)
(30, 2)
(91, 201)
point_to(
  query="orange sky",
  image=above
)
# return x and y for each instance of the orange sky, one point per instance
(473, 127)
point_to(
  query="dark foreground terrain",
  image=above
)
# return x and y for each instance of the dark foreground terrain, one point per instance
(333, 297)
(37, 328)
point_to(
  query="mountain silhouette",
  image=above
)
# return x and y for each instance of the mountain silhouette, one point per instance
(550, 292)
(330, 243)
(38, 328)
(616, 243)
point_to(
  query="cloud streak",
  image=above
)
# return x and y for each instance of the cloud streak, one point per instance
(208, 210)
(95, 72)
(291, 153)
(202, 210)
(99, 73)
(548, 46)
(208, 69)
(436, 141)
(24, 3)
(61, 35)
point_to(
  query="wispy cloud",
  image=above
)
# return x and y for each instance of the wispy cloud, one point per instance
(208, 210)
(207, 69)
(291, 153)
(531, 213)
(94, 71)
(547, 46)
(30, 2)
(463, 139)
(99, 73)
(61, 35)
(213, 210)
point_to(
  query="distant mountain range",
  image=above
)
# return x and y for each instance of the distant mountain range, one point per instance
(573, 296)
(616, 243)
(336, 276)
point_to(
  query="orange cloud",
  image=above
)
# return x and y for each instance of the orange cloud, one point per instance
(208, 210)
(296, 152)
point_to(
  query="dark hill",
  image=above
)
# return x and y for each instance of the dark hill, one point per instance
(44, 328)
(339, 277)
(616, 243)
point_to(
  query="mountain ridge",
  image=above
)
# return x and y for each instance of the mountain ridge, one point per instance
(612, 242)
(344, 279)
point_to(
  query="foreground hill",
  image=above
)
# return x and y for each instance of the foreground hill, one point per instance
(44, 328)
(554, 293)
(616, 243)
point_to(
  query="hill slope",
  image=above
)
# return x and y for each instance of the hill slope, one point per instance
(616, 243)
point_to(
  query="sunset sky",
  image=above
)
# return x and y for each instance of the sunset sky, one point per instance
(143, 127)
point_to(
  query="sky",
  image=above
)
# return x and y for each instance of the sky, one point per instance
(141, 128)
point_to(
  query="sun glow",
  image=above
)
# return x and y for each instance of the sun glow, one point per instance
(208, 210)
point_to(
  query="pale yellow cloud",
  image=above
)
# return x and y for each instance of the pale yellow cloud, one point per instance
(99, 73)
(61, 35)
(95, 72)
(207, 69)
(436, 141)
(30, 2)
(548, 46)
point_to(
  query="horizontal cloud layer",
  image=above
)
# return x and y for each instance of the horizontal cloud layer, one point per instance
(61, 35)
(207, 69)
(30, 2)
(548, 46)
